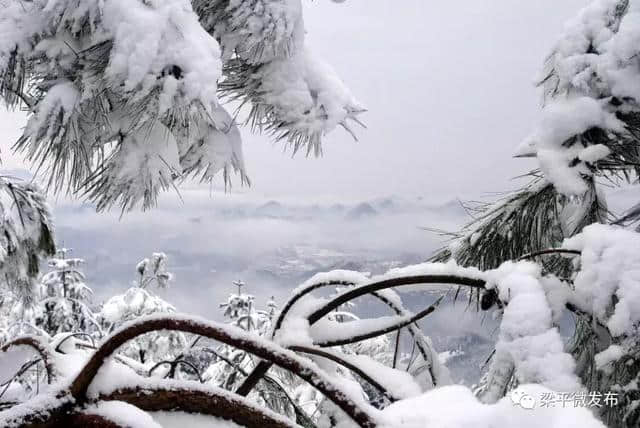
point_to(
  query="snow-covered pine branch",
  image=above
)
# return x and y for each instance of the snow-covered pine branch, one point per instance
(590, 121)
(123, 95)
(26, 238)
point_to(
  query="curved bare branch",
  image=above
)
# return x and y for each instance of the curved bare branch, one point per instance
(40, 347)
(174, 363)
(391, 283)
(205, 402)
(413, 329)
(230, 336)
(263, 366)
(299, 295)
(93, 343)
(549, 251)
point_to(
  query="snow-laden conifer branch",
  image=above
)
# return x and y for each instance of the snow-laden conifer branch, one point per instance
(123, 95)
(26, 238)
(532, 219)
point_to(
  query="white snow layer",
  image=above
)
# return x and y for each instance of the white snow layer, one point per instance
(528, 337)
(610, 271)
(561, 120)
(189, 420)
(122, 414)
(456, 407)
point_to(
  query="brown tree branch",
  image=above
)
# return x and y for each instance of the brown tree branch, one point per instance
(230, 336)
(88, 420)
(210, 403)
(41, 349)
(390, 283)
(299, 295)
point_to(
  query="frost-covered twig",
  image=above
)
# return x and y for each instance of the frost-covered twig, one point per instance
(395, 324)
(173, 364)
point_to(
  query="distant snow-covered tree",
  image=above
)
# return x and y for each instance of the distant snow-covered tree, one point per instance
(153, 271)
(123, 96)
(65, 305)
(140, 301)
(240, 310)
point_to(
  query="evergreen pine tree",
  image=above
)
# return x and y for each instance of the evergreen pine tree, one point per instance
(65, 305)
(589, 134)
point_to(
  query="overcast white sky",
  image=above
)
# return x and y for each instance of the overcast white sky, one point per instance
(450, 92)
(448, 85)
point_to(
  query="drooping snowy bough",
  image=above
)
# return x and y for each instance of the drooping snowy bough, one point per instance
(123, 96)
(26, 239)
